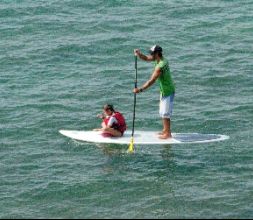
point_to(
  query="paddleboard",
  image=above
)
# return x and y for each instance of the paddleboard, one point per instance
(143, 137)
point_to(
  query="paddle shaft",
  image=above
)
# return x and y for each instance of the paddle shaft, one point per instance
(135, 86)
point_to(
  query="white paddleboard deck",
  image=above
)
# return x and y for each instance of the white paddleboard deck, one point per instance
(143, 137)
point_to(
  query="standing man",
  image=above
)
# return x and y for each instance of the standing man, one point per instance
(167, 88)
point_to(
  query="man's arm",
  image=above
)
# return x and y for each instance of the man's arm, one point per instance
(150, 82)
(138, 53)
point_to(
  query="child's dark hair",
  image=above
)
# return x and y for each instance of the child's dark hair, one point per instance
(109, 107)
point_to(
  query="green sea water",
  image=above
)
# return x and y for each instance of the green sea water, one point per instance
(61, 61)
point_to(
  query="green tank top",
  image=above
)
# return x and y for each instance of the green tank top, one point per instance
(167, 86)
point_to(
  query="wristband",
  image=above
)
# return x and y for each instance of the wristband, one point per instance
(141, 89)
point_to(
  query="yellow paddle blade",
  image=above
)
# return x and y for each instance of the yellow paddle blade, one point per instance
(131, 146)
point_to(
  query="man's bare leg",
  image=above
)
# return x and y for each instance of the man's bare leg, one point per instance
(166, 129)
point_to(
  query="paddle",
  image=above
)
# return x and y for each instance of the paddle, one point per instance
(131, 145)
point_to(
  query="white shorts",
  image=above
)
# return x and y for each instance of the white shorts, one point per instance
(166, 106)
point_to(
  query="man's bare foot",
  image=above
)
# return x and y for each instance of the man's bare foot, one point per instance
(161, 133)
(165, 136)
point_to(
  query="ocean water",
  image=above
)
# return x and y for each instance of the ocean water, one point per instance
(61, 61)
